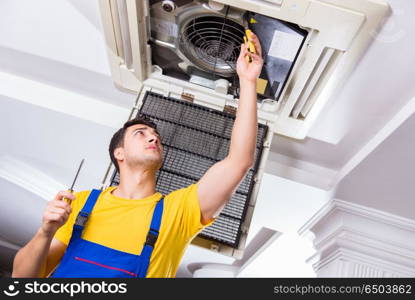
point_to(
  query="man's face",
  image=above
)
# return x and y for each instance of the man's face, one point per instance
(142, 147)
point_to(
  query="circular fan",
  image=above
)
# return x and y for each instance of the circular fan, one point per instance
(212, 43)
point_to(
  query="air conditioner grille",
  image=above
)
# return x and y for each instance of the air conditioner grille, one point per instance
(194, 138)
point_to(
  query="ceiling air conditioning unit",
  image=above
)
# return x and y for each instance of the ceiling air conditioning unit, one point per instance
(180, 56)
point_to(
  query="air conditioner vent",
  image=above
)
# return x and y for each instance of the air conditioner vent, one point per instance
(309, 47)
(321, 71)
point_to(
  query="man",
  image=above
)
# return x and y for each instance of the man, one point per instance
(133, 231)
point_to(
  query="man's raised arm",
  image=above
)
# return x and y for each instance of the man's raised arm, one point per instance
(217, 185)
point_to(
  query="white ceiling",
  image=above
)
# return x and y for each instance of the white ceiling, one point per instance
(380, 86)
(59, 105)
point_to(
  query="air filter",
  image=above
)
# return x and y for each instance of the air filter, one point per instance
(194, 138)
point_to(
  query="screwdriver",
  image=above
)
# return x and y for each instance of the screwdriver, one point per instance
(251, 46)
(73, 183)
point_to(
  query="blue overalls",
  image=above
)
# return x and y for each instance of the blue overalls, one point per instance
(87, 259)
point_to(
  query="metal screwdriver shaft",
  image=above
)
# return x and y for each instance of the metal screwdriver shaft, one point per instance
(73, 183)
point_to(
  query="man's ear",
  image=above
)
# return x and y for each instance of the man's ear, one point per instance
(119, 153)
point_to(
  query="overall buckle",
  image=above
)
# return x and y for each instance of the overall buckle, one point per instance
(81, 219)
(151, 238)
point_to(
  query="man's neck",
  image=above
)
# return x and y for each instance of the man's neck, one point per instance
(136, 184)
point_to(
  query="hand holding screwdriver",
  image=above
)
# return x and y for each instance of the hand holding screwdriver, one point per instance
(58, 210)
(249, 64)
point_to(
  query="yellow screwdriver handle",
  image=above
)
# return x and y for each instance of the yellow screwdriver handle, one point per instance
(69, 201)
(251, 46)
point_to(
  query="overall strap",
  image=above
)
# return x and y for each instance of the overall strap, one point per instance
(154, 230)
(83, 215)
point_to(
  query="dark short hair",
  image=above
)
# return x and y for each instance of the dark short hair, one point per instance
(117, 139)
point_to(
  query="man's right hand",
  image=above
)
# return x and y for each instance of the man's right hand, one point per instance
(56, 213)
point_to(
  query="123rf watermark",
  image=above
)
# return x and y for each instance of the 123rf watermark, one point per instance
(70, 289)
(364, 289)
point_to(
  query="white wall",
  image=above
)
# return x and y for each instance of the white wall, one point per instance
(385, 179)
(286, 205)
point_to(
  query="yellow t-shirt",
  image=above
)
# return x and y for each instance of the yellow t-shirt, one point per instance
(122, 224)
